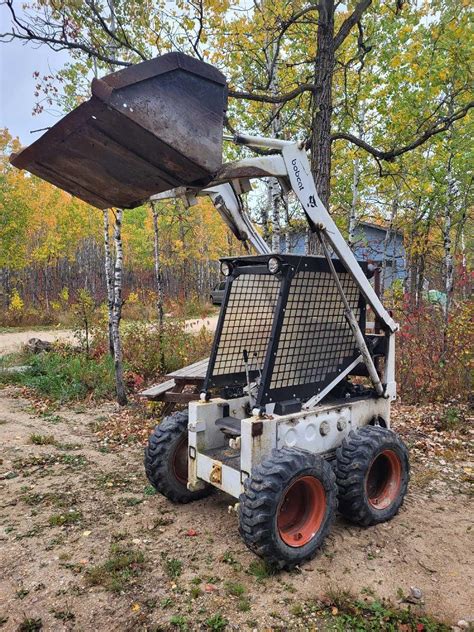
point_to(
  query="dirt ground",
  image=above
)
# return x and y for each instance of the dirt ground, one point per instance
(76, 501)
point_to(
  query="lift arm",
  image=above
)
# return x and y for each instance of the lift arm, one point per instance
(292, 168)
(297, 169)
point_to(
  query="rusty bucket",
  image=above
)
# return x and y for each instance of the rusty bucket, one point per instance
(146, 129)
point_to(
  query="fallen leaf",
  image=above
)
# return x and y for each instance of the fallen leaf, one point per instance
(209, 588)
(136, 607)
(191, 533)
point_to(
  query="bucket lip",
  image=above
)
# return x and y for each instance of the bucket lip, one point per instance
(161, 65)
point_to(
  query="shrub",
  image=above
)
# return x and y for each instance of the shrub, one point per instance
(149, 353)
(434, 362)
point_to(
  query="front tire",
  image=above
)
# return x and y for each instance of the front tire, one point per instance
(166, 459)
(372, 475)
(287, 507)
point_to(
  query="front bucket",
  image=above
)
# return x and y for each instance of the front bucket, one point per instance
(146, 129)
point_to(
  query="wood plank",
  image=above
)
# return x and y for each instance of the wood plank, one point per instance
(156, 391)
(192, 370)
(198, 369)
(182, 398)
(188, 380)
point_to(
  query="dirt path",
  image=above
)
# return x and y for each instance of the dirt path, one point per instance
(67, 507)
(11, 342)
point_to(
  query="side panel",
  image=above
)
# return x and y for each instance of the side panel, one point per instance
(324, 430)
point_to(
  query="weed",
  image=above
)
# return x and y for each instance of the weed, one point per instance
(173, 567)
(217, 622)
(68, 446)
(228, 558)
(260, 570)
(21, 593)
(30, 625)
(65, 519)
(149, 490)
(45, 460)
(243, 605)
(66, 375)
(116, 572)
(179, 622)
(39, 439)
(56, 499)
(166, 602)
(195, 592)
(451, 419)
(64, 615)
(297, 610)
(234, 588)
(342, 611)
(131, 501)
(53, 419)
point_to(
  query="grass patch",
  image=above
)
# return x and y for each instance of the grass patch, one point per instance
(64, 615)
(180, 622)
(243, 605)
(217, 622)
(46, 460)
(234, 588)
(342, 611)
(65, 519)
(172, 567)
(260, 570)
(122, 566)
(39, 439)
(30, 625)
(66, 376)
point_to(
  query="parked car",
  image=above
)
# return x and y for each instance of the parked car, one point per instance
(217, 293)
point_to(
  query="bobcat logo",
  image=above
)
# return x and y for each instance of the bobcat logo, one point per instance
(297, 174)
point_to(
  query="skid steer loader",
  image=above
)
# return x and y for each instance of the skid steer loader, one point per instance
(281, 425)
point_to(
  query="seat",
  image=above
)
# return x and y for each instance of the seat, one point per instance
(229, 426)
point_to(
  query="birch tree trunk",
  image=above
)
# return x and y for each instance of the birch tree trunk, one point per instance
(356, 182)
(354, 201)
(117, 311)
(448, 254)
(157, 260)
(109, 278)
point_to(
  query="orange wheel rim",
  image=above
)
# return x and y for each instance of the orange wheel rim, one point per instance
(383, 480)
(180, 461)
(301, 512)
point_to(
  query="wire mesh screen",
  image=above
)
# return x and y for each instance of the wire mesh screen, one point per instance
(315, 339)
(247, 324)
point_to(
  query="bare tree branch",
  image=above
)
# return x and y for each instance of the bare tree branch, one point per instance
(278, 98)
(349, 22)
(441, 125)
(56, 43)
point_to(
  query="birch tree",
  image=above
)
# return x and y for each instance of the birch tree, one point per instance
(117, 310)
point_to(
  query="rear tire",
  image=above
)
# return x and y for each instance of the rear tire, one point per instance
(287, 507)
(166, 459)
(372, 475)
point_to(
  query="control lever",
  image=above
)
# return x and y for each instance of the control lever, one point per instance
(245, 355)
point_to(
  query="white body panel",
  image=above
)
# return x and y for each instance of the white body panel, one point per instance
(319, 430)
